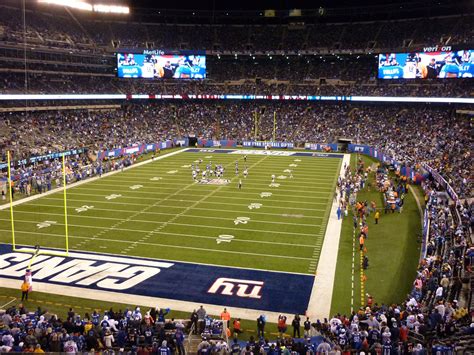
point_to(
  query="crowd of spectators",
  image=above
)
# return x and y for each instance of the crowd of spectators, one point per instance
(83, 33)
(233, 77)
(130, 330)
(411, 135)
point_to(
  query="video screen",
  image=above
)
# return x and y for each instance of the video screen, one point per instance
(166, 66)
(423, 65)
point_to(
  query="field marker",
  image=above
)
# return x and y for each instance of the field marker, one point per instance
(136, 187)
(172, 172)
(281, 177)
(241, 220)
(274, 184)
(83, 208)
(254, 206)
(265, 194)
(156, 178)
(227, 238)
(112, 197)
(45, 224)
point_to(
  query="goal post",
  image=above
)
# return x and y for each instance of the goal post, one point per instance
(37, 247)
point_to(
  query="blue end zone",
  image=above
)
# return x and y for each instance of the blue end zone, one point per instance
(317, 155)
(209, 150)
(232, 287)
(250, 152)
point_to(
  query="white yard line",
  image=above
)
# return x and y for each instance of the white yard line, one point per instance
(193, 200)
(157, 222)
(115, 228)
(173, 246)
(205, 202)
(82, 182)
(164, 213)
(3, 306)
(319, 306)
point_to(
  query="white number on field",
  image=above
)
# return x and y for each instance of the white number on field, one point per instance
(84, 208)
(136, 187)
(113, 196)
(172, 172)
(287, 171)
(208, 157)
(186, 166)
(224, 238)
(293, 165)
(254, 206)
(45, 224)
(297, 160)
(241, 220)
(274, 184)
(281, 177)
(265, 194)
(156, 178)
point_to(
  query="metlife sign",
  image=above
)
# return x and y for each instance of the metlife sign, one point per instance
(197, 283)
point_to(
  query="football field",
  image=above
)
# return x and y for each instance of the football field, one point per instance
(158, 211)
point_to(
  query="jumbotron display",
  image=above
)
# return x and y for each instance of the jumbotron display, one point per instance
(161, 66)
(427, 65)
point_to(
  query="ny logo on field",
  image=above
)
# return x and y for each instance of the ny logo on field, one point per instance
(245, 288)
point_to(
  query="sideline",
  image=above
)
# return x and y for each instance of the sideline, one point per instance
(82, 182)
(319, 306)
(420, 209)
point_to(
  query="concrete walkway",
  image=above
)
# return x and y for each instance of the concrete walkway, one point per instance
(319, 306)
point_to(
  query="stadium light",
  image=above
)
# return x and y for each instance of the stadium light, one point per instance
(76, 4)
(112, 9)
(83, 5)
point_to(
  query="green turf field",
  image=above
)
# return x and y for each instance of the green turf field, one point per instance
(393, 251)
(156, 210)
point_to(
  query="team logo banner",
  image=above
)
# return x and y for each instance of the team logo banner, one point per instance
(231, 287)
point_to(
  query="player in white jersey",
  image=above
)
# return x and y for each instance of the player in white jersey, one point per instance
(204, 174)
(246, 172)
(273, 177)
(194, 175)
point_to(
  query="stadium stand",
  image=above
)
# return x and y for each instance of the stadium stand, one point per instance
(72, 57)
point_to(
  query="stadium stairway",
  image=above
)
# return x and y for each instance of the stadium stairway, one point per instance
(193, 343)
